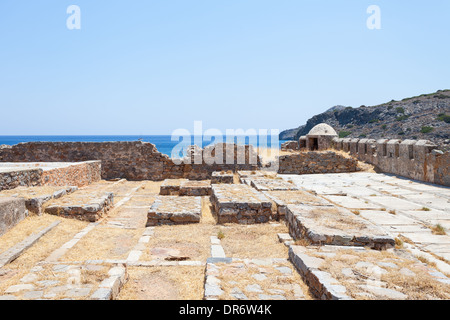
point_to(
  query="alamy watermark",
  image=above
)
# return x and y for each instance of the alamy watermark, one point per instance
(374, 20)
(73, 22)
(234, 146)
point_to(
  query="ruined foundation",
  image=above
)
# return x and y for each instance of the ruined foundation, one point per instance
(173, 210)
(242, 204)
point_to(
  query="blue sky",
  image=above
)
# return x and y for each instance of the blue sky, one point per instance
(150, 67)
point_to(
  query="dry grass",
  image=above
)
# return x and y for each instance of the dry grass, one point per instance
(110, 243)
(150, 187)
(24, 229)
(192, 240)
(164, 283)
(53, 240)
(253, 241)
(30, 192)
(438, 230)
(332, 218)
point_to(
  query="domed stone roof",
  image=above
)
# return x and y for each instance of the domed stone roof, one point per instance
(322, 129)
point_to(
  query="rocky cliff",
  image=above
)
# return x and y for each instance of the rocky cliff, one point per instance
(423, 117)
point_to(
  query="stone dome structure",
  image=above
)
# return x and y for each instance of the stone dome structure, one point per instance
(322, 129)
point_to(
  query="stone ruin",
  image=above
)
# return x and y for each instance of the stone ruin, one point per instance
(326, 216)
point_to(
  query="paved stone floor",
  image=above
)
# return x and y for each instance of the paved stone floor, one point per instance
(118, 257)
(403, 207)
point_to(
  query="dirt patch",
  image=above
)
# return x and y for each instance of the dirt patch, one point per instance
(164, 283)
(253, 241)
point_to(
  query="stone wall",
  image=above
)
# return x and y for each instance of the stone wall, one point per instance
(13, 175)
(12, 211)
(77, 174)
(20, 177)
(316, 162)
(415, 159)
(135, 160)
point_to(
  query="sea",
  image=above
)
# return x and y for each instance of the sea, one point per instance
(163, 143)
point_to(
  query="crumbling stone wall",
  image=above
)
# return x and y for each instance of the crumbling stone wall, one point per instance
(13, 179)
(76, 174)
(415, 159)
(316, 162)
(79, 174)
(135, 160)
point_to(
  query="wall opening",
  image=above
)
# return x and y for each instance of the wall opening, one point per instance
(313, 144)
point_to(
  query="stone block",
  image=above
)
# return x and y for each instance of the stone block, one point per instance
(239, 203)
(12, 211)
(174, 210)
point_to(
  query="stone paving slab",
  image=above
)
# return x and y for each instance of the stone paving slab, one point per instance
(339, 273)
(60, 281)
(384, 218)
(430, 201)
(353, 203)
(240, 203)
(174, 210)
(252, 279)
(335, 226)
(270, 184)
(283, 198)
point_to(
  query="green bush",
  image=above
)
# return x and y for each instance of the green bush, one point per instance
(444, 117)
(384, 126)
(400, 110)
(426, 129)
(402, 118)
(343, 134)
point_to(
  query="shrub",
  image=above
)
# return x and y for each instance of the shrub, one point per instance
(384, 126)
(400, 110)
(343, 134)
(444, 117)
(374, 120)
(426, 129)
(402, 118)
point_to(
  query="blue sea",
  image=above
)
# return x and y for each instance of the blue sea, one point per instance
(163, 143)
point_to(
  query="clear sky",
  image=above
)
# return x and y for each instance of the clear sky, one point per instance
(152, 66)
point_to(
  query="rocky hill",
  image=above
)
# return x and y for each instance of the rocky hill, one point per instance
(423, 117)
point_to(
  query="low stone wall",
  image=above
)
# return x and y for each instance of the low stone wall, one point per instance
(137, 160)
(79, 174)
(12, 211)
(20, 177)
(415, 159)
(239, 203)
(13, 175)
(316, 162)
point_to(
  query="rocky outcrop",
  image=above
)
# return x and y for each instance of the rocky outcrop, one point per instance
(422, 117)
